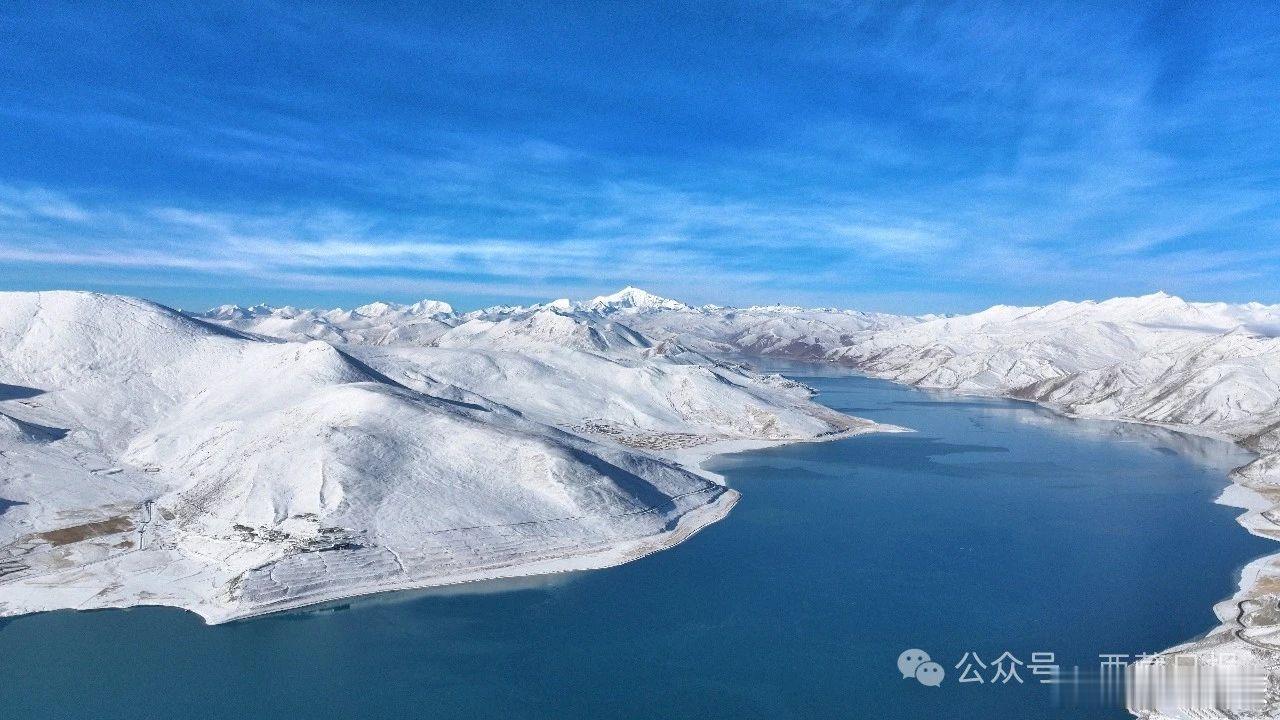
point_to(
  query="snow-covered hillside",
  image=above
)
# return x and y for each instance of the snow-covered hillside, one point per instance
(577, 366)
(777, 330)
(250, 459)
(151, 457)
(711, 329)
(377, 322)
(1208, 368)
(1211, 367)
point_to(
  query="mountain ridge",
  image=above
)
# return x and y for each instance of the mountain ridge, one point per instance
(181, 447)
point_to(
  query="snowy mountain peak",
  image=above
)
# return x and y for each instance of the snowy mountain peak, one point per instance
(1155, 299)
(634, 298)
(226, 312)
(380, 309)
(430, 307)
(376, 309)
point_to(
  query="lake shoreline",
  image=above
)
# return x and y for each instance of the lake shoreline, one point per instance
(993, 526)
(1257, 578)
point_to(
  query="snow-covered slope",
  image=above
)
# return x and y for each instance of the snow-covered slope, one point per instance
(229, 463)
(593, 325)
(543, 327)
(377, 322)
(1211, 367)
(1208, 368)
(634, 299)
(776, 330)
(580, 367)
(150, 457)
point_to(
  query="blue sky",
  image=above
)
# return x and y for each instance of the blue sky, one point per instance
(902, 157)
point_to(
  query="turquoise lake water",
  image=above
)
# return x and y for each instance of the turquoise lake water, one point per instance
(996, 527)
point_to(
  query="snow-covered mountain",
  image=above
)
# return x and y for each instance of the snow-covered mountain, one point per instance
(577, 366)
(776, 330)
(249, 459)
(1208, 368)
(377, 322)
(711, 329)
(632, 298)
(152, 457)
(543, 327)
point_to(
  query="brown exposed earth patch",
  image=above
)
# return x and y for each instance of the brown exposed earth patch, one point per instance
(76, 533)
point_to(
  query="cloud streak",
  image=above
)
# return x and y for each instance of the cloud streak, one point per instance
(979, 154)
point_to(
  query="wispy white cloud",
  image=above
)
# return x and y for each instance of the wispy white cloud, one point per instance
(989, 151)
(648, 235)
